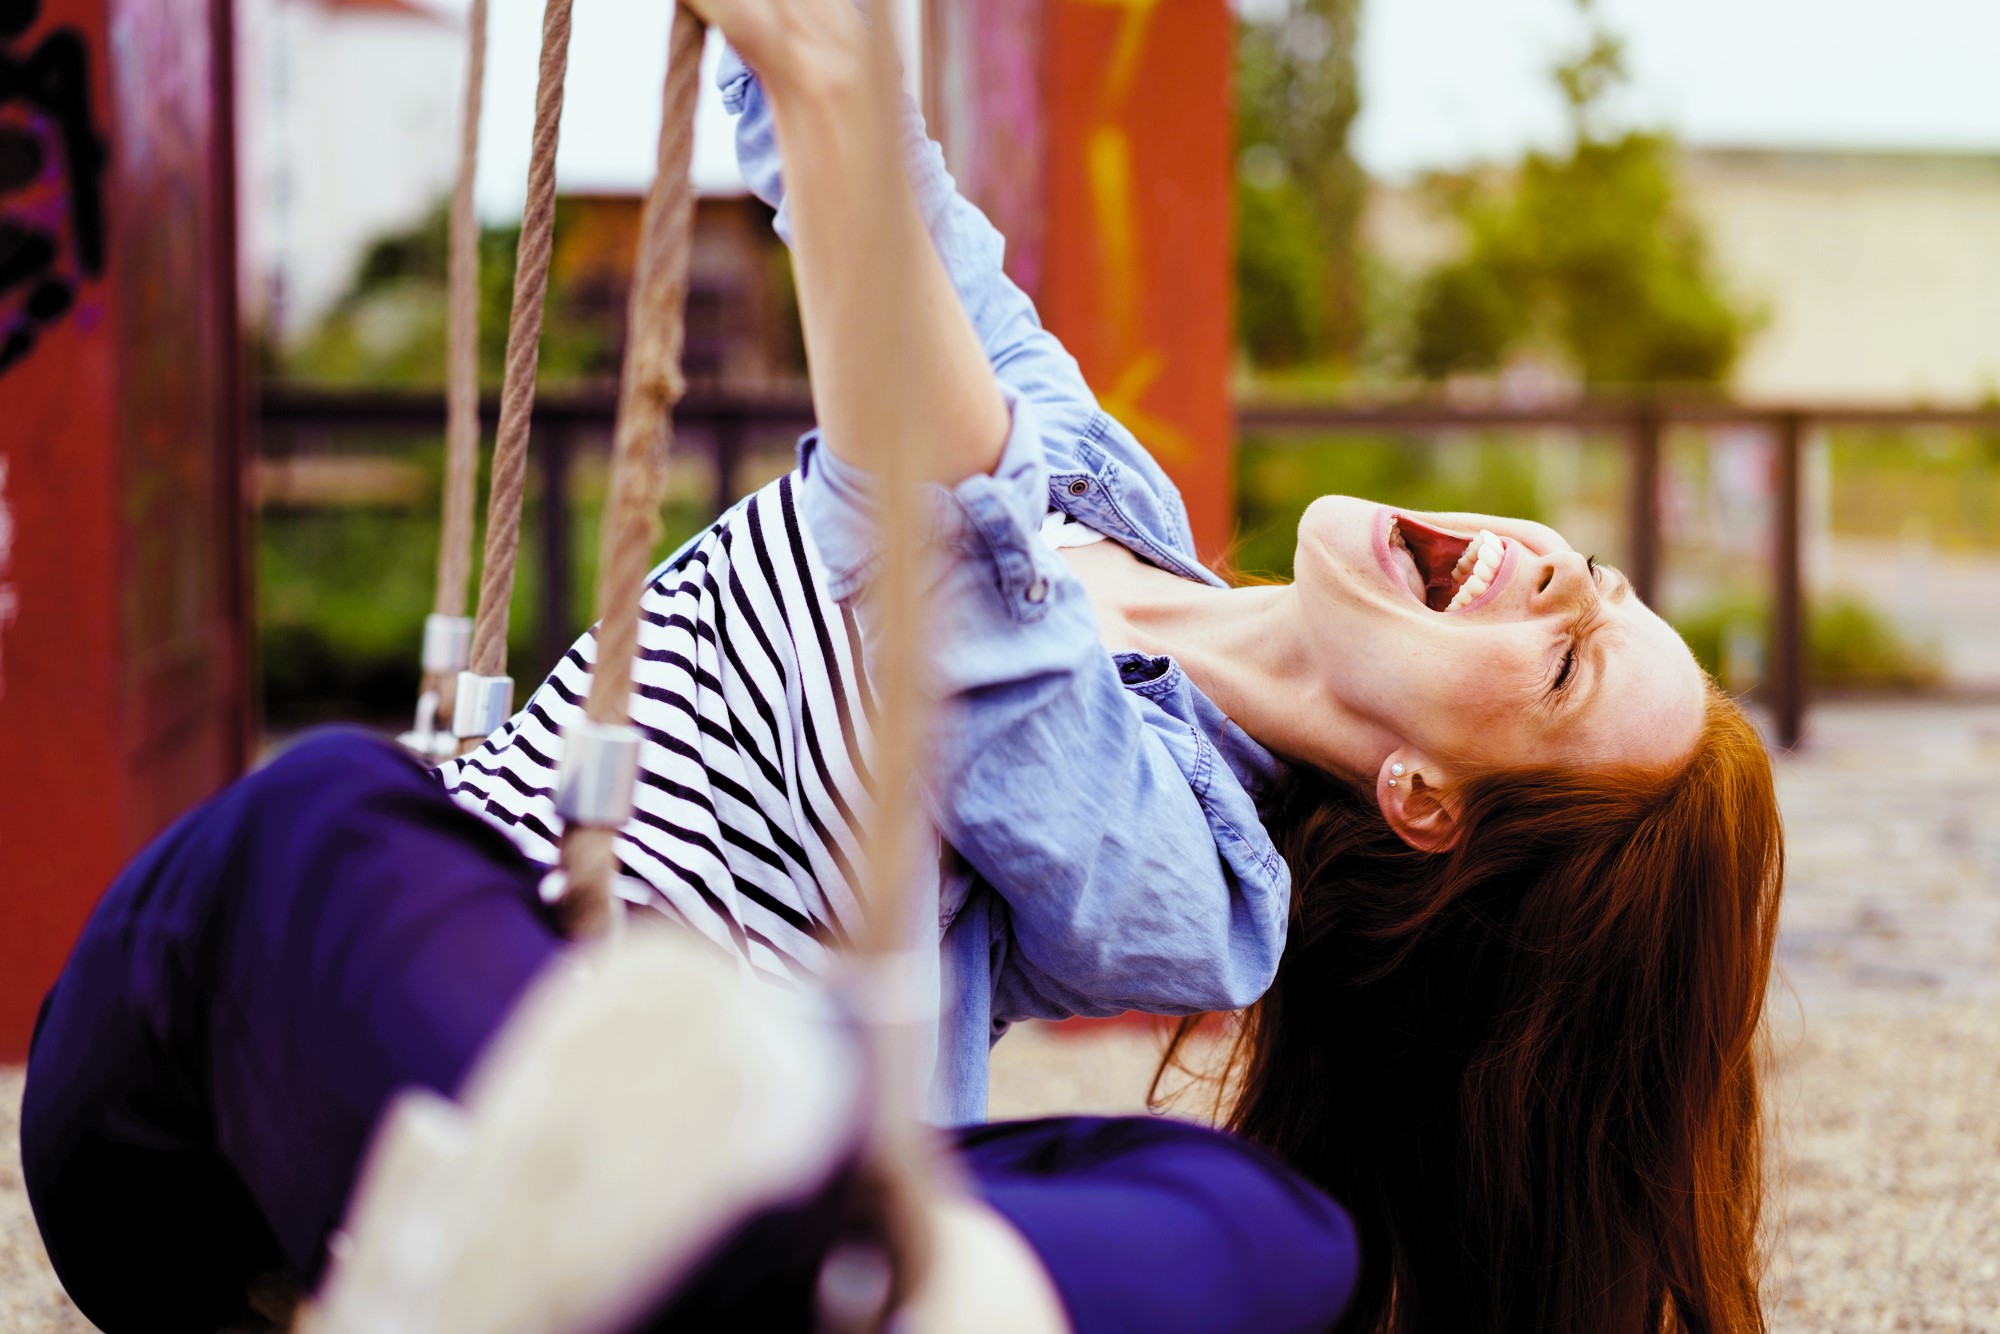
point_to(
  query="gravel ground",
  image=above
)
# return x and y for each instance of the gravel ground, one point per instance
(30, 1297)
(1886, 1038)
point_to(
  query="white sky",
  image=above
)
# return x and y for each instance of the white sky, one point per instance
(1443, 81)
(1448, 81)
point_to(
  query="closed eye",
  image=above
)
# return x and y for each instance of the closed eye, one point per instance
(1566, 671)
(1577, 629)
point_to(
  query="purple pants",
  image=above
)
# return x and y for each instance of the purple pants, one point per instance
(264, 977)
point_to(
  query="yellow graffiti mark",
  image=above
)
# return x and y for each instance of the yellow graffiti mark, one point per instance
(1122, 401)
(1114, 214)
(1131, 39)
(1108, 163)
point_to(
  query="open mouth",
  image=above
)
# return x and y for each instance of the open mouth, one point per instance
(1449, 570)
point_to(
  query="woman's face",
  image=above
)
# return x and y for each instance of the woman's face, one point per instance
(1490, 650)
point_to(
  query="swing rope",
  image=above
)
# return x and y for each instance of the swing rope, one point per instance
(462, 342)
(486, 674)
(447, 630)
(603, 751)
(600, 762)
(879, 974)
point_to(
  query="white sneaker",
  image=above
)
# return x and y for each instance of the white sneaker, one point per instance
(639, 1105)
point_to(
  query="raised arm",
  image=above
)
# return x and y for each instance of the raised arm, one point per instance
(1101, 824)
(1027, 358)
(889, 345)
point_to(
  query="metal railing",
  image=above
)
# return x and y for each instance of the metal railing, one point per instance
(721, 423)
(718, 425)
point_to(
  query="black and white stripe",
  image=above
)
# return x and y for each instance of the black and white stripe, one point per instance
(755, 713)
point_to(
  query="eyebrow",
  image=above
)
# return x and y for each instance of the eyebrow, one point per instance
(1618, 587)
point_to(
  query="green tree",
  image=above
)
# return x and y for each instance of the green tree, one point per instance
(1298, 189)
(1590, 256)
(388, 328)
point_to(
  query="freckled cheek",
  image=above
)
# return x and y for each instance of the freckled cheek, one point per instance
(1510, 684)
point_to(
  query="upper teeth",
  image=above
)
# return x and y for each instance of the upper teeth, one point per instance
(1474, 571)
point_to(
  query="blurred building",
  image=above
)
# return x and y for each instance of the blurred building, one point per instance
(1878, 272)
(740, 322)
(346, 112)
(1881, 270)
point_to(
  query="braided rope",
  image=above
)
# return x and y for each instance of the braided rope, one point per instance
(524, 335)
(648, 389)
(461, 473)
(461, 435)
(904, 1163)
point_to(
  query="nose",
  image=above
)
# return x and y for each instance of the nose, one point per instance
(1559, 583)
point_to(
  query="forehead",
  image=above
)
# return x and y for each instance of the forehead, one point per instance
(1648, 707)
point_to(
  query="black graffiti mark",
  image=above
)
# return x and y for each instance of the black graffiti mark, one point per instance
(17, 16)
(24, 253)
(20, 159)
(54, 81)
(27, 254)
(55, 78)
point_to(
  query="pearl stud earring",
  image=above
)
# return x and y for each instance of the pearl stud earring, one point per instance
(1397, 770)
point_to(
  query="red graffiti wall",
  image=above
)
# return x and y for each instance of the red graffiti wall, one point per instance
(123, 681)
(1096, 134)
(1137, 277)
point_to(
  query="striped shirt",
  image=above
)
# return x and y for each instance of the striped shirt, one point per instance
(754, 713)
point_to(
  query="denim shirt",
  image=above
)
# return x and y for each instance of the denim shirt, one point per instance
(1103, 846)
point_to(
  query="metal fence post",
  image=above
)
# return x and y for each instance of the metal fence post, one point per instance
(726, 438)
(1643, 499)
(1788, 620)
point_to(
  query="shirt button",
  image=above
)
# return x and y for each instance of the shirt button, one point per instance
(1038, 590)
(1078, 487)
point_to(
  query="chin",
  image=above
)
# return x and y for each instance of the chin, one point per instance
(1337, 526)
(1333, 560)
(1337, 520)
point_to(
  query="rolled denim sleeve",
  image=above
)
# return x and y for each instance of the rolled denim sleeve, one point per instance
(982, 519)
(1083, 811)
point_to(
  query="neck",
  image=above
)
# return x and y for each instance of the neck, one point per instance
(1246, 649)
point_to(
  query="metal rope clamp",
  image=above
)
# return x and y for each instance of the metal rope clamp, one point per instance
(600, 771)
(483, 704)
(594, 786)
(447, 648)
(447, 644)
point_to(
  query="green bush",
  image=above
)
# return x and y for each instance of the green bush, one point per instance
(1299, 192)
(388, 328)
(1849, 645)
(342, 592)
(1591, 256)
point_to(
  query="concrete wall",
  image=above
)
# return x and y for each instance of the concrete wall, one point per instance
(1879, 272)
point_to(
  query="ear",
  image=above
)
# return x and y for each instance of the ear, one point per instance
(1417, 801)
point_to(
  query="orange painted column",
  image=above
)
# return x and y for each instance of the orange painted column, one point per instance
(1135, 273)
(123, 648)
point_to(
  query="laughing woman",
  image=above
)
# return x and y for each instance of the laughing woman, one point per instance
(1490, 865)
(1512, 859)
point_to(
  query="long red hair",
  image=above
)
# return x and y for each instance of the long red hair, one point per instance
(1529, 1066)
